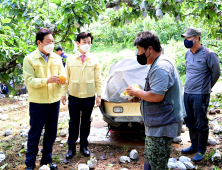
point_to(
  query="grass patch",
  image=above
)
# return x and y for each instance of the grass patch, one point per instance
(100, 47)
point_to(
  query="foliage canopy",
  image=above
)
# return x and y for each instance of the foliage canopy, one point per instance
(20, 20)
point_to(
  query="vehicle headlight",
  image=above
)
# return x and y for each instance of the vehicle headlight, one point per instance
(118, 109)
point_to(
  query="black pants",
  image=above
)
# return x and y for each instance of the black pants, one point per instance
(196, 108)
(75, 106)
(40, 115)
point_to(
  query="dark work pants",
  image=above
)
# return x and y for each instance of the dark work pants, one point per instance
(75, 106)
(196, 108)
(40, 115)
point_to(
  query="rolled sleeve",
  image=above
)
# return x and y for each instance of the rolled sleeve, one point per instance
(159, 80)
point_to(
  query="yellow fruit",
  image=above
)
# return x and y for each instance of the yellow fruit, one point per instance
(125, 93)
(62, 78)
(136, 85)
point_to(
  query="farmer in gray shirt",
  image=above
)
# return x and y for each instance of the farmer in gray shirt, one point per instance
(162, 105)
(202, 72)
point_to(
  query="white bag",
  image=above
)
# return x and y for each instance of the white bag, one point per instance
(184, 159)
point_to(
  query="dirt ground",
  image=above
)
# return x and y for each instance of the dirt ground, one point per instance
(107, 153)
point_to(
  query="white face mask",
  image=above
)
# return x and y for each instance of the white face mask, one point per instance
(49, 48)
(85, 48)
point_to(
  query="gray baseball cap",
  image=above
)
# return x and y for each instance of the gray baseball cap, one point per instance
(192, 32)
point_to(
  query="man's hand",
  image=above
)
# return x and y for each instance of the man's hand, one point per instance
(53, 79)
(98, 101)
(63, 99)
(135, 99)
(62, 82)
(132, 91)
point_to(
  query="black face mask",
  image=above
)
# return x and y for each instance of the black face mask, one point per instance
(142, 59)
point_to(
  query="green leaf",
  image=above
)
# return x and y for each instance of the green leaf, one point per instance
(67, 10)
(78, 29)
(82, 20)
(23, 26)
(6, 20)
(103, 4)
(24, 14)
(9, 147)
(19, 153)
(3, 166)
(22, 150)
(5, 76)
(65, 22)
(202, 13)
(57, 2)
(110, 165)
(19, 71)
(76, 19)
(9, 3)
(136, 2)
(130, 9)
(200, 6)
(1, 57)
(20, 58)
(78, 5)
(14, 12)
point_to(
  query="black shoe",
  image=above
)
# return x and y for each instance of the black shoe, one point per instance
(70, 154)
(194, 135)
(52, 166)
(85, 151)
(30, 167)
(202, 147)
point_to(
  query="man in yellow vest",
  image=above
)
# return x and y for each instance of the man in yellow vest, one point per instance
(84, 79)
(41, 70)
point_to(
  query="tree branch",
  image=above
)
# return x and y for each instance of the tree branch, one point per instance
(12, 63)
(188, 14)
(48, 6)
(129, 4)
(42, 3)
(213, 45)
(64, 35)
(117, 3)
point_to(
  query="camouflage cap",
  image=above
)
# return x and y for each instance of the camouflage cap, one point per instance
(192, 32)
